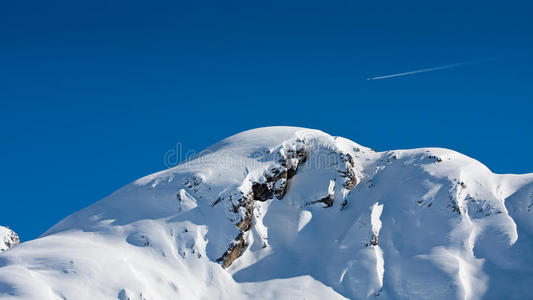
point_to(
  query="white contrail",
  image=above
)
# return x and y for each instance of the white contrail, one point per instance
(421, 71)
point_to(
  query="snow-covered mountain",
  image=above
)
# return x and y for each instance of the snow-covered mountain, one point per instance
(8, 238)
(292, 213)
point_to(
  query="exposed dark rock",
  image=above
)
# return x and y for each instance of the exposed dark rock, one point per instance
(274, 183)
(327, 200)
(454, 206)
(290, 173)
(193, 182)
(239, 244)
(292, 157)
(373, 242)
(277, 176)
(235, 250)
(350, 180)
(276, 172)
(217, 201)
(262, 191)
(280, 187)
(246, 220)
(435, 158)
(347, 158)
(392, 158)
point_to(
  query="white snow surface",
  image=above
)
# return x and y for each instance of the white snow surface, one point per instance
(425, 223)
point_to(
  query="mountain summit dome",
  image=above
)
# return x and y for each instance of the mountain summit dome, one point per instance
(292, 213)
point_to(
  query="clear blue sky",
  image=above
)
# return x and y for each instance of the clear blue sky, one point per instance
(92, 95)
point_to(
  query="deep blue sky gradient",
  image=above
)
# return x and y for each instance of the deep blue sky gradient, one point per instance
(92, 95)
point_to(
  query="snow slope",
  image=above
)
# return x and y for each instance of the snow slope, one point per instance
(292, 213)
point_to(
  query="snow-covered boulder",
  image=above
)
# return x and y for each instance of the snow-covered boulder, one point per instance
(8, 238)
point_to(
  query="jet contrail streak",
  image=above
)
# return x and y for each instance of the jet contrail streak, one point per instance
(421, 71)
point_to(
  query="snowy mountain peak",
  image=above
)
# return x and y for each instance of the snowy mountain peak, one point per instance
(8, 238)
(292, 213)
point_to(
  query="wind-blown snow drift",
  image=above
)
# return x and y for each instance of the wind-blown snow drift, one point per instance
(292, 213)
